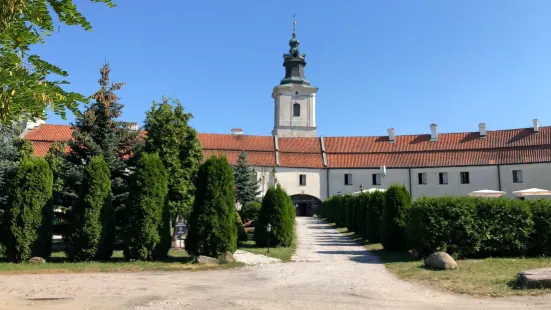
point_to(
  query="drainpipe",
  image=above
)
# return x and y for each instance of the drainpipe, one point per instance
(498, 177)
(327, 181)
(410, 188)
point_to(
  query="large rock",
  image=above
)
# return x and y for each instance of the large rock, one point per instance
(535, 278)
(227, 257)
(36, 260)
(440, 260)
(206, 260)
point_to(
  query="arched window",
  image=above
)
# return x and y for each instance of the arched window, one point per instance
(296, 109)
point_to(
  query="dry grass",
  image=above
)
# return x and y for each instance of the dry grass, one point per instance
(492, 277)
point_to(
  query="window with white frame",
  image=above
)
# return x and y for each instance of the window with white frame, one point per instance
(376, 178)
(443, 178)
(348, 179)
(302, 180)
(517, 176)
(422, 178)
(465, 177)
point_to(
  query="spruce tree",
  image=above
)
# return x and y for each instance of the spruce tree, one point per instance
(96, 131)
(170, 135)
(212, 229)
(246, 183)
(28, 221)
(277, 210)
(12, 150)
(91, 232)
(144, 211)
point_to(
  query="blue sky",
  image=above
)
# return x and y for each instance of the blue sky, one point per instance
(378, 64)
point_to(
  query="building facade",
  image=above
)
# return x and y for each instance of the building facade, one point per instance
(312, 168)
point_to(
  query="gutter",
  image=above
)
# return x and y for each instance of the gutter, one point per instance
(499, 177)
(410, 187)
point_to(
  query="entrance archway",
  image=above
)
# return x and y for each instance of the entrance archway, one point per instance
(306, 205)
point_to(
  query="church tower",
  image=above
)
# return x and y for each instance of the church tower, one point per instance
(294, 97)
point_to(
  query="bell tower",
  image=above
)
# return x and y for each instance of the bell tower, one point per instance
(294, 97)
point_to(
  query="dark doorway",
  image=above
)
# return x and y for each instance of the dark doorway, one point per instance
(306, 205)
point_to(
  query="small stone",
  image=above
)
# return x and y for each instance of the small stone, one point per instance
(206, 260)
(440, 260)
(228, 257)
(36, 260)
(535, 278)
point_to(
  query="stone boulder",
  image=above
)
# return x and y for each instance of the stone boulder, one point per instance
(535, 278)
(36, 260)
(227, 257)
(440, 260)
(206, 260)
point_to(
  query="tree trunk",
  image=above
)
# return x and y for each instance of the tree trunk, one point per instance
(174, 236)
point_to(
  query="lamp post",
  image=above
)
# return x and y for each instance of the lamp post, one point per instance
(361, 188)
(269, 229)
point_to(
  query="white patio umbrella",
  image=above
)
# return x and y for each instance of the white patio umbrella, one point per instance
(371, 190)
(487, 193)
(532, 192)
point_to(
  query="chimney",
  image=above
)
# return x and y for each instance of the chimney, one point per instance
(433, 132)
(482, 128)
(236, 131)
(132, 126)
(391, 136)
(536, 125)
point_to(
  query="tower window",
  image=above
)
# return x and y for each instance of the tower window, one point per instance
(296, 109)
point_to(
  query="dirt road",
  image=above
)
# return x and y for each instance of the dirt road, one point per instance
(329, 272)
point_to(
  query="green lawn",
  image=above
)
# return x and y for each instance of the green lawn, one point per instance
(491, 277)
(178, 260)
(283, 253)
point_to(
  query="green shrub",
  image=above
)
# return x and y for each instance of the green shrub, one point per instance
(361, 201)
(250, 210)
(540, 239)
(278, 210)
(504, 225)
(165, 237)
(212, 229)
(342, 210)
(443, 224)
(351, 213)
(394, 218)
(90, 234)
(375, 205)
(144, 211)
(28, 218)
(241, 232)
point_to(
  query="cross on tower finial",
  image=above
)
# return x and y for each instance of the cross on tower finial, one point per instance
(294, 23)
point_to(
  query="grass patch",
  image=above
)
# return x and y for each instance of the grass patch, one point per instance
(178, 260)
(282, 253)
(491, 277)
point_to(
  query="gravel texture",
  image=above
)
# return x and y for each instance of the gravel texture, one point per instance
(328, 271)
(249, 258)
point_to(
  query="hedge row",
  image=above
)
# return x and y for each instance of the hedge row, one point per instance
(464, 226)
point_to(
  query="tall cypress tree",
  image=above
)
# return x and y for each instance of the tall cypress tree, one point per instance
(99, 131)
(91, 231)
(212, 229)
(170, 135)
(246, 183)
(144, 213)
(29, 214)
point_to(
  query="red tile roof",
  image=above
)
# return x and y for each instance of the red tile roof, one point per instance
(513, 146)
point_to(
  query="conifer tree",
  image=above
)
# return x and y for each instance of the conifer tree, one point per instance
(277, 210)
(29, 213)
(12, 150)
(246, 183)
(91, 232)
(144, 212)
(99, 131)
(212, 229)
(170, 135)
(394, 218)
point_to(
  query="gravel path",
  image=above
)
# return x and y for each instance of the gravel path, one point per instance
(329, 271)
(249, 258)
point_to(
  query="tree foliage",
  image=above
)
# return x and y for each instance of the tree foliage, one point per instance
(250, 210)
(29, 214)
(246, 183)
(12, 150)
(277, 210)
(144, 212)
(394, 218)
(91, 232)
(212, 229)
(27, 84)
(169, 134)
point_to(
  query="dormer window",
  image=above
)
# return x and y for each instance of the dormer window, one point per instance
(296, 109)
